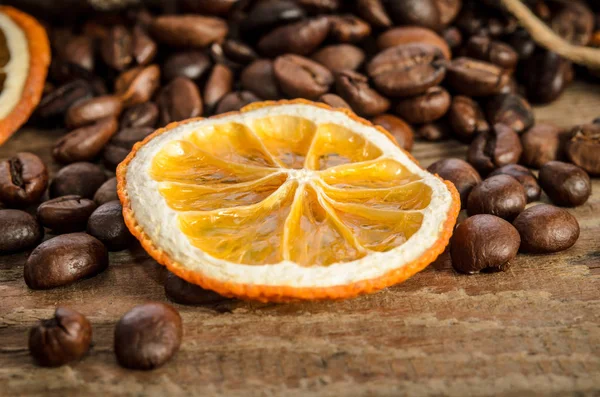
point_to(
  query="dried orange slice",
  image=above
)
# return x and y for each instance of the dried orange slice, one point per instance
(283, 201)
(24, 60)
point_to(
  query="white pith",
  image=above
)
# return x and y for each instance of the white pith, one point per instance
(160, 222)
(17, 67)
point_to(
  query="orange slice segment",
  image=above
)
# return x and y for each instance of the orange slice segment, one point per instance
(24, 61)
(283, 201)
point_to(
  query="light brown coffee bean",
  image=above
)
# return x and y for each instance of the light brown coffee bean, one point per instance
(85, 143)
(188, 31)
(300, 77)
(90, 110)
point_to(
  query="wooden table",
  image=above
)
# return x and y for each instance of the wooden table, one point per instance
(533, 330)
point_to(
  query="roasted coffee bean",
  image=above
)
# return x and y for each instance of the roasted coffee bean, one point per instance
(59, 340)
(58, 101)
(85, 143)
(320, 6)
(545, 229)
(400, 130)
(484, 243)
(354, 88)
(334, 101)
(147, 336)
(466, 118)
(122, 143)
(348, 28)
(82, 179)
(219, 83)
(300, 77)
(107, 192)
(448, 10)
(525, 177)
(411, 35)
(583, 149)
(144, 49)
(190, 64)
(373, 12)
(79, 50)
(512, 110)
(107, 225)
(138, 85)
(566, 184)
(453, 37)
(500, 195)
(140, 115)
(415, 12)
(543, 143)
(545, 76)
(93, 109)
(340, 57)
(239, 52)
(434, 132)
(492, 51)
(65, 259)
(424, 108)
(574, 22)
(460, 173)
(259, 78)
(522, 43)
(65, 214)
(301, 38)
(210, 7)
(19, 231)
(180, 291)
(266, 15)
(179, 100)
(476, 78)
(188, 31)
(23, 179)
(117, 48)
(63, 72)
(236, 100)
(408, 69)
(493, 149)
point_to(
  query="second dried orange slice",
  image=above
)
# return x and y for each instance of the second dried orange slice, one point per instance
(283, 201)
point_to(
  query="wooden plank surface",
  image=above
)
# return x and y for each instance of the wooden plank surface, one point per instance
(533, 330)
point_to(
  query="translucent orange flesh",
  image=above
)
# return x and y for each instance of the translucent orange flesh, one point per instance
(284, 188)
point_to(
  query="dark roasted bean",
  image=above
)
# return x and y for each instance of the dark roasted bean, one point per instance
(300, 38)
(492, 51)
(400, 130)
(425, 108)
(434, 132)
(235, 100)
(65, 214)
(301, 77)
(144, 49)
(107, 192)
(93, 109)
(340, 57)
(188, 31)
(500, 195)
(493, 149)
(543, 143)
(259, 78)
(107, 225)
(140, 115)
(82, 179)
(545, 229)
(460, 173)
(583, 149)
(117, 48)
(525, 178)
(566, 184)
(546, 75)
(512, 110)
(354, 88)
(476, 78)
(19, 231)
(58, 101)
(219, 83)
(179, 100)
(190, 64)
(466, 118)
(410, 35)
(373, 12)
(416, 12)
(85, 143)
(23, 179)
(137, 85)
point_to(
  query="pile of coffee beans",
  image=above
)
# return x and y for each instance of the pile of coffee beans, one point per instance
(423, 69)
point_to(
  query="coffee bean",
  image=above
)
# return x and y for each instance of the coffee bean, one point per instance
(107, 225)
(348, 28)
(424, 108)
(236, 100)
(466, 118)
(65, 259)
(122, 143)
(525, 177)
(476, 78)
(415, 12)
(140, 115)
(210, 7)
(219, 83)
(511, 110)
(190, 64)
(411, 35)
(408, 69)
(90, 110)
(340, 57)
(137, 85)
(493, 149)
(574, 22)
(148, 336)
(400, 130)
(448, 10)
(144, 49)
(492, 51)
(545, 229)
(59, 340)
(19, 231)
(239, 52)
(566, 184)
(320, 6)
(543, 143)
(354, 88)
(484, 243)
(180, 291)
(522, 43)
(23, 179)
(453, 37)
(583, 149)
(259, 78)
(85, 143)
(460, 173)
(66, 214)
(179, 100)
(266, 15)
(79, 50)
(434, 132)
(301, 77)
(188, 31)
(63, 72)
(373, 12)
(117, 48)
(334, 101)
(500, 195)
(82, 179)
(545, 76)
(300, 38)
(107, 192)
(56, 103)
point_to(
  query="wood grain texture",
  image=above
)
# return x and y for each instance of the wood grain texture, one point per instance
(533, 330)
